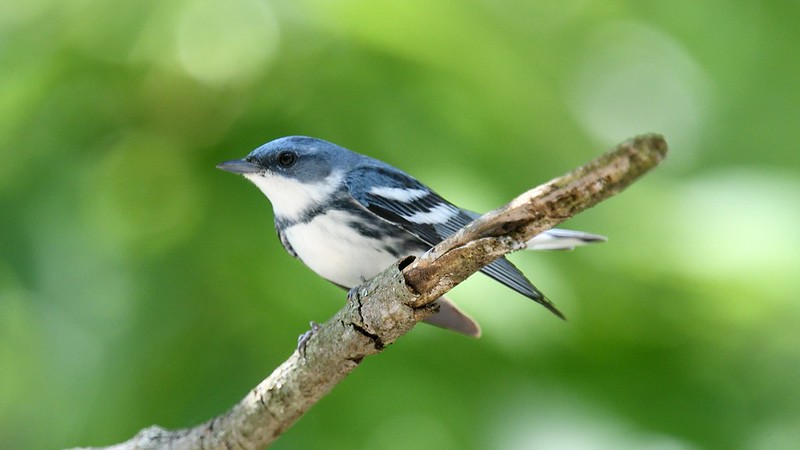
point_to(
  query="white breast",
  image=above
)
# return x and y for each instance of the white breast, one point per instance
(336, 251)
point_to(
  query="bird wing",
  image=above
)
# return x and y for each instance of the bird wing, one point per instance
(285, 242)
(400, 199)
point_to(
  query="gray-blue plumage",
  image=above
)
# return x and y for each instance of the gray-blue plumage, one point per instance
(348, 216)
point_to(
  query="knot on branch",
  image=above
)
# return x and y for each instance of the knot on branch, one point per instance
(383, 307)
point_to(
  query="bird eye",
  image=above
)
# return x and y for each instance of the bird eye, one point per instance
(286, 159)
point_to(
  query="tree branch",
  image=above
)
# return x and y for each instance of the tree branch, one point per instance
(388, 306)
(509, 228)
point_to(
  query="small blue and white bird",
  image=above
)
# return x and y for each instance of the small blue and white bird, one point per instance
(348, 216)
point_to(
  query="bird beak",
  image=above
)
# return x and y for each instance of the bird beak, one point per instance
(239, 166)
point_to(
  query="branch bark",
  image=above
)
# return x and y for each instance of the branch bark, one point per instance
(388, 306)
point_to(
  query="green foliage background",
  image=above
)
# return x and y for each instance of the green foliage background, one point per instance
(139, 285)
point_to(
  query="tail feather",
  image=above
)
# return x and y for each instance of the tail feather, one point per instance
(554, 239)
(559, 239)
(451, 317)
(503, 271)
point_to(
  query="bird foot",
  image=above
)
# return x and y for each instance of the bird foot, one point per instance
(303, 339)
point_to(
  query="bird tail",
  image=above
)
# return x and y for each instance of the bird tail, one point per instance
(559, 239)
(451, 317)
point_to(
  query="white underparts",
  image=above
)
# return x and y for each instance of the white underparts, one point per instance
(337, 251)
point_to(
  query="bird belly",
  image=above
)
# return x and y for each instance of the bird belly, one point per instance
(338, 252)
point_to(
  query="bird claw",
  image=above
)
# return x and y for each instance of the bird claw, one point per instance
(352, 293)
(302, 340)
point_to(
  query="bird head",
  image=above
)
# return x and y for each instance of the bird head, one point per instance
(295, 172)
